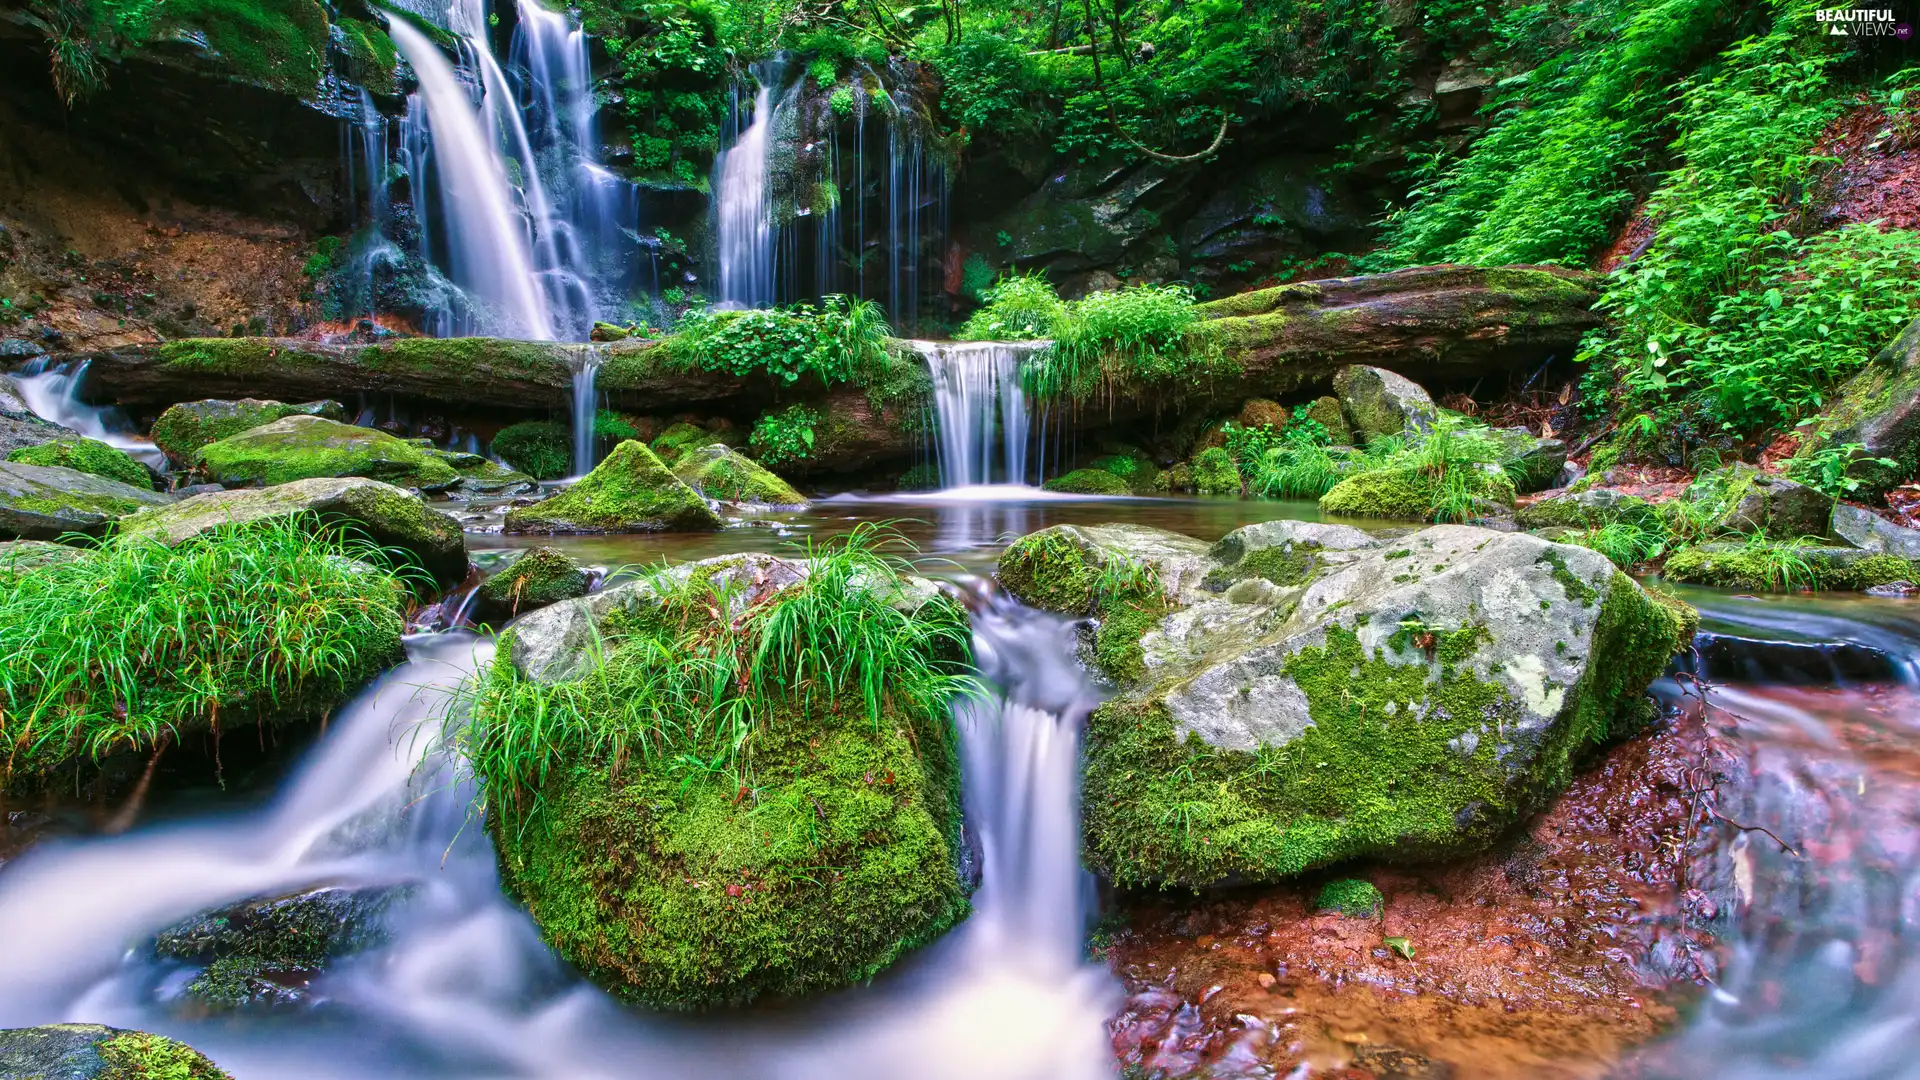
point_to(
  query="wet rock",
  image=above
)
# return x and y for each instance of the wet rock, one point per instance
(1531, 462)
(387, 515)
(183, 429)
(719, 472)
(1877, 409)
(1774, 506)
(267, 951)
(1758, 662)
(631, 491)
(1751, 567)
(1590, 509)
(484, 476)
(307, 447)
(96, 1052)
(1378, 402)
(19, 426)
(1407, 699)
(1869, 531)
(43, 502)
(87, 456)
(531, 579)
(1894, 590)
(14, 350)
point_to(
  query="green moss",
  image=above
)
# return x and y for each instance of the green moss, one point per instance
(1407, 493)
(1575, 588)
(304, 447)
(1214, 472)
(679, 439)
(1284, 565)
(631, 491)
(1572, 512)
(719, 472)
(112, 506)
(87, 456)
(372, 56)
(1048, 571)
(1778, 567)
(136, 1055)
(1350, 897)
(495, 358)
(183, 429)
(1088, 482)
(280, 44)
(542, 576)
(540, 448)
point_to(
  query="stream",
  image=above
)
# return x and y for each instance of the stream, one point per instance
(1816, 975)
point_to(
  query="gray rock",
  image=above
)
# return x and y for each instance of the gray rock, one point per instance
(1593, 508)
(1869, 531)
(1181, 563)
(266, 951)
(1532, 462)
(389, 516)
(1267, 534)
(1378, 402)
(1781, 508)
(89, 1052)
(13, 349)
(43, 502)
(18, 555)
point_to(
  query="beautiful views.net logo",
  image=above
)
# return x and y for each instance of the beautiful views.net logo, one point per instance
(1863, 22)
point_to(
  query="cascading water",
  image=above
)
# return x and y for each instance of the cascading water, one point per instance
(583, 411)
(743, 213)
(52, 392)
(463, 987)
(977, 393)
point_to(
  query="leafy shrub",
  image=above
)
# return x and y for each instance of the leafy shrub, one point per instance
(540, 448)
(126, 644)
(1020, 307)
(611, 425)
(839, 340)
(1828, 468)
(785, 436)
(1126, 341)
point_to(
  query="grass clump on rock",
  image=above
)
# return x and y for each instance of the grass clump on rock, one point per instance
(540, 448)
(136, 643)
(750, 787)
(87, 456)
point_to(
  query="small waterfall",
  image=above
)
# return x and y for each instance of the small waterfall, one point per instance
(53, 393)
(743, 212)
(976, 390)
(583, 410)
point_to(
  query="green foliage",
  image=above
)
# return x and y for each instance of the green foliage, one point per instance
(133, 643)
(841, 101)
(280, 44)
(671, 79)
(839, 340)
(611, 425)
(1548, 182)
(1019, 307)
(1127, 341)
(1351, 897)
(785, 436)
(87, 456)
(136, 1055)
(1831, 468)
(540, 448)
(1627, 543)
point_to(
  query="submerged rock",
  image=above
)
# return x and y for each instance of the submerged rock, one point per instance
(1378, 402)
(531, 579)
(266, 951)
(44, 502)
(305, 447)
(1342, 697)
(96, 1052)
(631, 491)
(387, 515)
(87, 456)
(183, 429)
(693, 889)
(719, 472)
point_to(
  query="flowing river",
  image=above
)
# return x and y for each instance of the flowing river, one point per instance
(1805, 871)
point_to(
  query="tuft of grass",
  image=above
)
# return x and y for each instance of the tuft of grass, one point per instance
(131, 643)
(1626, 543)
(1019, 307)
(1110, 344)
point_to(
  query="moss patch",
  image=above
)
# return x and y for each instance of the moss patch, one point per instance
(1214, 473)
(1283, 564)
(631, 491)
(542, 576)
(305, 447)
(1089, 482)
(87, 456)
(719, 472)
(183, 429)
(136, 1055)
(1408, 494)
(540, 448)
(1350, 897)
(679, 439)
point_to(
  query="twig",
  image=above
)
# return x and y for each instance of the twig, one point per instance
(1113, 117)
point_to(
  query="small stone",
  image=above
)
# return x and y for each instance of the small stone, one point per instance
(1266, 981)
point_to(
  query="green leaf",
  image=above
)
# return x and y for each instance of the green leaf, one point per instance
(1403, 946)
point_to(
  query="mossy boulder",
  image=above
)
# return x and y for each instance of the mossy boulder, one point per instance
(183, 429)
(1326, 410)
(483, 476)
(1411, 699)
(540, 448)
(1774, 506)
(1407, 493)
(1214, 473)
(1533, 463)
(1378, 402)
(1088, 482)
(720, 472)
(696, 890)
(266, 951)
(389, 516)
(678, 439)
(1350, 897)
(1593, 508)
(306, 447)
(531, 579)
(45, 502)
(87, 456)
(1132, 466)
(96, 1052)
(1263, 412)
(1877, 409)
(631, 491)
(1776, 567)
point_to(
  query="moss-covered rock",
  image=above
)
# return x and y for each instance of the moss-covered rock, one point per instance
(1379, 402)
(266, 951)
(1778, 567)
(631, 491)
(183, 429)
(45, 502)
(1350, 897)
(1214, 473)
(1593, 508)
(484, 476)
(678, 439)
(1406, 493)
(1759, 502)
(1134, 467)
(836, 856)
(1088, 482)
(540, 448)
(95, 1052)
(1531, 462)
(719, 472)
(87, 456)
(389, 516)
(1411, 699)
(1878, 409)
(1326, 410)
(532, 579)
(1263, 412)
(305, 447)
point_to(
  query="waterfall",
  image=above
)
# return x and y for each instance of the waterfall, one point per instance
(52, 392)
(583, 410)
(743, 213)
(976, 389)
